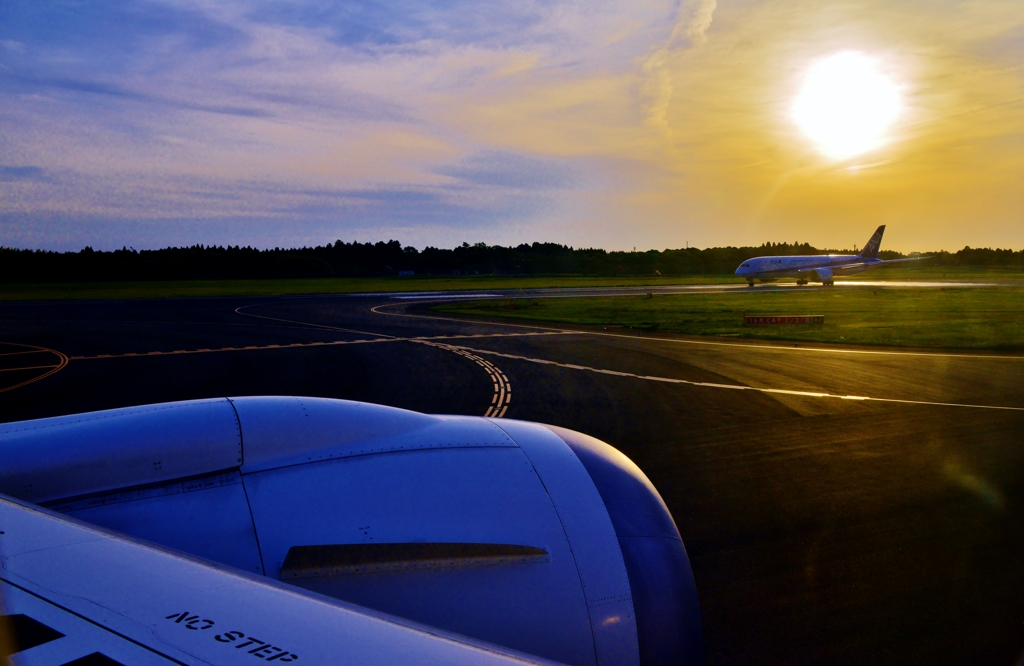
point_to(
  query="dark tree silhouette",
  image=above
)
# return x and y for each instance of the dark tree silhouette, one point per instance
(391, 258)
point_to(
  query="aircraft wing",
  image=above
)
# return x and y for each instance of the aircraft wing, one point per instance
(897, 261)
(73, 593)
(857, 264)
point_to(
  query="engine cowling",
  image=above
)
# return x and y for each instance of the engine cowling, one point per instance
(529, 536)
(823, 275)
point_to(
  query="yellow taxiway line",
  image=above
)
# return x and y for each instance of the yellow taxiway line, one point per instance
(32, 349)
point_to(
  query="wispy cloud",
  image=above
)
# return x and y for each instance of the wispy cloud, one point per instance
(509, 170)
(9, 174)
(692, 22)
(115, 90)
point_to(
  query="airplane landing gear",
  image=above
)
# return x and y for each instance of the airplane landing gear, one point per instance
(750, 283)
(801, 283)
(830, 283)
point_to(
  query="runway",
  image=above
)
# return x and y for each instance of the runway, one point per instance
(725, 287)
(839, 505)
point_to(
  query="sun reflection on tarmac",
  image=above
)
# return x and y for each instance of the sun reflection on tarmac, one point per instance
(973, 484)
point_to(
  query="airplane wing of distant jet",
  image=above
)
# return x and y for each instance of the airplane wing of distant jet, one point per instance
(853, 266)
(77, 594)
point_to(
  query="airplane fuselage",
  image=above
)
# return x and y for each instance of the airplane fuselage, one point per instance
(817, 267)
(772, 268)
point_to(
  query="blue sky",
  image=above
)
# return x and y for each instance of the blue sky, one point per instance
(649, 124)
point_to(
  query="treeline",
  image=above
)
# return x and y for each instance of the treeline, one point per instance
(391, 258)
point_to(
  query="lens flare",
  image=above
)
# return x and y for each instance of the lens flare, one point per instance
(846, 105)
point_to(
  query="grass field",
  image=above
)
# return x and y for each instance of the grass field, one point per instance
(977, 318)
(204, 288)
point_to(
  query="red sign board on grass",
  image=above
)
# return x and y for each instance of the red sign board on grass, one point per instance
(774, 320)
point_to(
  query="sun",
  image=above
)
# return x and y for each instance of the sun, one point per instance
(846, 104)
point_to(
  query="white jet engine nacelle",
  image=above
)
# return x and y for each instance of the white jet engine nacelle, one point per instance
(528, 536)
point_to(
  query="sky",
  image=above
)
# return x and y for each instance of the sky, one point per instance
(593, 123)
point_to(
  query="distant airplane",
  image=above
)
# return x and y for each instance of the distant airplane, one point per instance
(816, 268)
(325, 532)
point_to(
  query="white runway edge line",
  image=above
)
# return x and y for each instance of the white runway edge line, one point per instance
(738, 387)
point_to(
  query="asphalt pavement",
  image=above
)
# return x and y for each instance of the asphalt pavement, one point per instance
(839, 505)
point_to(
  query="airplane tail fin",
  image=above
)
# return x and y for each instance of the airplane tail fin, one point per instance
(870, 250)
